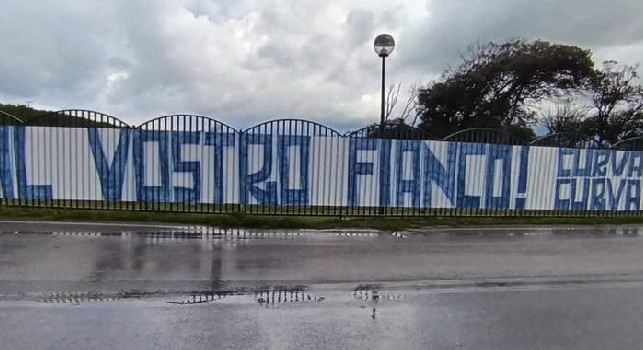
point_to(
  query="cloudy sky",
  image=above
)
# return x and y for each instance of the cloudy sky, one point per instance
(244, 61)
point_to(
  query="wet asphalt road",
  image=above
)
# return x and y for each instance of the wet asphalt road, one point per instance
(132, 286)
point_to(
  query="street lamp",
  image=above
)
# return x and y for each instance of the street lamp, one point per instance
(384, 45)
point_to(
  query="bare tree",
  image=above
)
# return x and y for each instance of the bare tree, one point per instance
(566, 117)
(399, 122)
(409, 110)
(391, 100)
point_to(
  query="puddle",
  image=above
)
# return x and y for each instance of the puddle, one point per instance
(208, 233)
(273, 297)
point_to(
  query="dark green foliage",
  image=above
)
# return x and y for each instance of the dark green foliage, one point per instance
(35, 117)
(395, 129)
(526, 134)
(22, 112)
(491, 88)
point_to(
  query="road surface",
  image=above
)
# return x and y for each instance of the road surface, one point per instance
(140, 286)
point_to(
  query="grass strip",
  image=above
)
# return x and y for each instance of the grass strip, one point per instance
(303, 222)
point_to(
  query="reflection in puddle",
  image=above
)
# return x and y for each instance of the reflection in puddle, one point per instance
(274, 297)
(399, 235)
(369, 294)
(373, 294)
(356, 234)
(78, 234)
(622, 231)
(88, 297)
(202, 298)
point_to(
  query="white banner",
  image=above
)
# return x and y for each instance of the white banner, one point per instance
(216, 167)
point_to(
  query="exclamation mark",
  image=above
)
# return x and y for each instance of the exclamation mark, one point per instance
(521, 195)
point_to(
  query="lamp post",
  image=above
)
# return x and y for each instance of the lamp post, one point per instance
(384, 44)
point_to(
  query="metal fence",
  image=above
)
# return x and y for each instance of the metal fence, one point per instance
(187, 163)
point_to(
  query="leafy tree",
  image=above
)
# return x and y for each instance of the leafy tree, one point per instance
(618, 104)
(493, 85)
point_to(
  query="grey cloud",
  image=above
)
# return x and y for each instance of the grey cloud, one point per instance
(455, 24)
(245, 61)
(118, 63)
(360, 26)
(49, 56)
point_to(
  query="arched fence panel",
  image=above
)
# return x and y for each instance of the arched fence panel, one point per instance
(384, 166)
(566, 140)
(185, 163)
(631, 144)
(54, 159)
(186, 122)
(489, 173)
(292, 166)
(483, 135)
(391, 132)
(77, 118)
